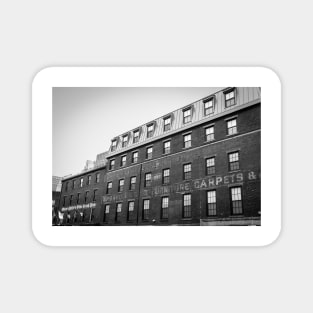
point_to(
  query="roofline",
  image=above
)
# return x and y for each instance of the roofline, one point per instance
(95, 169)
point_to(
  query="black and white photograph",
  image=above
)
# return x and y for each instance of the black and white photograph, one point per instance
(156, 156)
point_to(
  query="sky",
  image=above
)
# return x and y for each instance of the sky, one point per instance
(86, 119)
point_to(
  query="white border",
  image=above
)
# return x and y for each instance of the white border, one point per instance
(156, 77)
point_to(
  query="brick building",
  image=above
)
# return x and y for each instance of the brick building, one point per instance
(198, 165)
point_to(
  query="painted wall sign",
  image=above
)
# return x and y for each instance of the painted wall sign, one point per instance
(79, 207)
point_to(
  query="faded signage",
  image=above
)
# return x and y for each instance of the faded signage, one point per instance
(79, 207)
(119, 197)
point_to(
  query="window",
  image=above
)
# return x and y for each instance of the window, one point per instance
(114, 145)
(131, 205)
(71, 199)
(112, 165)
(211, 202)
(94, 195)
(209, 106)
(232, 126)
(86, 196)
(167, 147)
(109, 187)
(73, 185)
(124, 141)
(150, 129)
(64, 200)
(121, 185)
(148, 180)
(164, 208)
(135, 157)
(230, 98)
(187, 115)
(118, 212)
(167, 124)
(187, 206)
(97, 178)
(123, 160)
(210, 166)
(132, 185)
(136, 136)
(187, 141)
(81, 182)
(106, 213)
(166, 176)
(146, 209)
(209, 133)
(66, 186)
(149, 153)
(78, 198)
(88, 180)
(187, 171)
(236, 201)
(233, 159)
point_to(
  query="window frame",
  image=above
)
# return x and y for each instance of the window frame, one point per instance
(113, 146)
(207, 171)
(166, 178)
(121, 186)
(232, 130)
(209, 110)
(187, 208)
(132, 186)
(130, 213)
(150, 180)
(211, 206)
(239, 201)
(133, 159)
(97, 178)
(145, 210)
(187, 143)
(164, 209)
(124, 142)
(118, 212)
(150, 132)
(136, 138)
(185, 121)
(167, 150)
(185, 174)
(123, 163)
(167, 125)
(108, 190)
(233, 165)
(149, 156)
(211, 136)
(106, 212)
(231, 100)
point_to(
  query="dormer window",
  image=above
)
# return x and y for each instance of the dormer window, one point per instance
(136, 136)
(187, 115)
(150, 129)
(114, 145)
(208, 106)
(124, 141)
(229, 97)
(167, 123)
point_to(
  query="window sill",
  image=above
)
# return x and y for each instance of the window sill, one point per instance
(229, 135)
(186, 148)
(235, 171)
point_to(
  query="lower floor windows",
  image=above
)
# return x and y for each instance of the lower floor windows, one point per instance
(106, 213)
(131, 206)
(146, 209)
(164, 208)
(211, 202)
(187, 206)
(236, 200)
(118, 212)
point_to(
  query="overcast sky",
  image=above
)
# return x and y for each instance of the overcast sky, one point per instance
(86, 119)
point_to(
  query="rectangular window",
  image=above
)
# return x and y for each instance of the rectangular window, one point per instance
(132, 185)
(135, 157)
(71, 199)
(230, 98)
(64, 200)
(164, 208)
(66, 186)
(187, 116)
(88, 180)
(187, 171)
(187, 206)
(136, 136)
(94, 195)
(106, 213)
(112, 165)
(146, 209)
(209, 133)
(121, 185)
(109, 187)
(86, 196)
(123, 160)
(118, 212)
(73, 185)
(236, 201)
(114, 145)
(97, 178)
(131, 206)
(233, 159)
(209, 107)
(232, 127)
(124, 141)
(166, 176)
(187, 141)
(148, 180)
(167, 147)
(78, 198)
(150, 129)
(167, 124)
(149, 153)
(211, 202)
(210, 166)
(81, 182)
